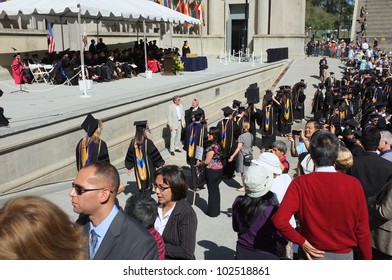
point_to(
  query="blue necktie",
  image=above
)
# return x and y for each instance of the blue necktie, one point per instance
(93, 243)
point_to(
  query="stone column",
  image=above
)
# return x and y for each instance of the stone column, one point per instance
(262, 17)
(214, 21)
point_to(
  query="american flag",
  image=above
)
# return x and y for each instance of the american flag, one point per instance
(51, 44)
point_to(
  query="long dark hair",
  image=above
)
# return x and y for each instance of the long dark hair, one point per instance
(140, 135)
(247, 207)
(216, 135)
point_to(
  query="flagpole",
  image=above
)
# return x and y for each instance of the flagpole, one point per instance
(84, 95)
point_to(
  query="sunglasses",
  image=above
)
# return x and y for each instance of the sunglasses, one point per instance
(161, 188)
(80, 190)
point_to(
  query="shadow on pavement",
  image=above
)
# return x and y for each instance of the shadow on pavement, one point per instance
(215, 252)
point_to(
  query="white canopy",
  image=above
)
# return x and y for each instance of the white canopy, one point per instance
(108, 9)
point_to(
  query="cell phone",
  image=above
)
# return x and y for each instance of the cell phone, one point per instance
(296, 132)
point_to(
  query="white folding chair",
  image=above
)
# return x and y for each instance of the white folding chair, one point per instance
(48, 69)
(36, 71)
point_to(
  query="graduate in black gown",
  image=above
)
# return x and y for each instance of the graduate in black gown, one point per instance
(230, 132)
(286, 111)
(143, 157)
(195, 136)
(298, 95)
(318, 102)
(91, 148)
(269, 120)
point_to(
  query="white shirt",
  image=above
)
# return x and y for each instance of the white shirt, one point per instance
(161, 220)
(178, 109)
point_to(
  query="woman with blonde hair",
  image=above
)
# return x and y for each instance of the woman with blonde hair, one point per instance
(344, 161)
(33, 228)
(91, 148)
(244, 150)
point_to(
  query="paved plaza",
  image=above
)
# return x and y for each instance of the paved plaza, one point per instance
(215, 237)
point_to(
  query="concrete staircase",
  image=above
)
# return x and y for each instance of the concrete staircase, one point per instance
(378, 20)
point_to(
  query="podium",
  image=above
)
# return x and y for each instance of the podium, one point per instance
(168, 62)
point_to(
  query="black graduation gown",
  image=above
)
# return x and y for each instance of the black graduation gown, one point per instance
(299, 97)
(153, 159)
(318, 104)
(99, 152)
(268, 126)
(253, 117)
(195, 135)
(229, 144)
(285, 114)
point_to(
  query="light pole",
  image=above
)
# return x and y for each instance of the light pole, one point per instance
(246, 25)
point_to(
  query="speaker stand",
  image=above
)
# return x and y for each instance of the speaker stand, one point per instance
(20, 90)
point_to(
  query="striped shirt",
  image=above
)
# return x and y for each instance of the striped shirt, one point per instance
(160, 243)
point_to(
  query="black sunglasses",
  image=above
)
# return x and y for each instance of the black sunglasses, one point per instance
(80, 190)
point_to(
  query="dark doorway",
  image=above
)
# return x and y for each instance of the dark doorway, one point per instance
(237, 34)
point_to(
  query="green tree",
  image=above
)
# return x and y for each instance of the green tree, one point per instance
(329, 14)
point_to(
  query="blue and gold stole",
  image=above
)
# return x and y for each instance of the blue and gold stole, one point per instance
(287, 109)
(224, 126)
(267, 118)
(194, 134)
(141, 164)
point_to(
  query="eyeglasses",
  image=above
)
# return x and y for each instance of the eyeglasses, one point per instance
(80, 190)
(161, 187)
(210, 133)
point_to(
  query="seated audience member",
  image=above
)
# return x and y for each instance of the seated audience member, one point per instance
(33, 228)
(252, 212)
(279, 148)
(112, 234)
(143, 208)
(176, 221)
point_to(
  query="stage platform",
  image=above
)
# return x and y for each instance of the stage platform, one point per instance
(38, 146)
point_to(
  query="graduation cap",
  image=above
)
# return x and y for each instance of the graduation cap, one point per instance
(227, 110)
(380, 104)
(352, 123)
(268, 98)
(331, 73)
(373, 115)
(321, 85)
(90, 124)
(236, 102)
(141, 124)
(252, 94)
(338, 100)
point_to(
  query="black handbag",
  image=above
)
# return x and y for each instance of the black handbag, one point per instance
(200, 176)
(248, 160)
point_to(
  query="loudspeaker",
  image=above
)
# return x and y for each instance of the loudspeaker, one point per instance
(3, 120)
(252, 94)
